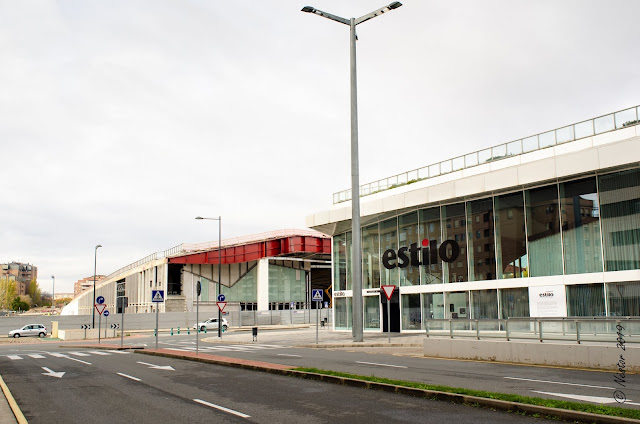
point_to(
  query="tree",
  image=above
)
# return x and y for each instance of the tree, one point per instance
(35, 293)
(7, 292)
(19, 305)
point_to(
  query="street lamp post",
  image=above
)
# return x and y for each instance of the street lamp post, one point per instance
(93, 309)
(356, 252)
(53, 291)
(219, 219)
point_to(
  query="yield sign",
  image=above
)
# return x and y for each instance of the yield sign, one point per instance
(388, 291)
(221, 305)
(100, 308)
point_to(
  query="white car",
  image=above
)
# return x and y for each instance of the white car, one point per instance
(38, 330)
(211, 324)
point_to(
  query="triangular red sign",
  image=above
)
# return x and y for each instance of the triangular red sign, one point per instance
(388, 291)
(100, 311)
(221, 305)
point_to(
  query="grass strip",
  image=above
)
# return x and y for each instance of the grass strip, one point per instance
(551, 403)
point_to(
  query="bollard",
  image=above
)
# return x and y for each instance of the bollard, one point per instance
(188, 331)
(205, 330)
(178, 330)
(172, 331)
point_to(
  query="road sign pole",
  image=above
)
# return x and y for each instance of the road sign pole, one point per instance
(122, 326)
(197, 316)
(106, 325)
(99, 321)
(157, 309)
(317, 317)
(389, 318)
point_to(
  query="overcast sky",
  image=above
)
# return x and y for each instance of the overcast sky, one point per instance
(122, 120)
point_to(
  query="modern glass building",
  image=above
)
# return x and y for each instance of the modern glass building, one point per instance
(546, 226)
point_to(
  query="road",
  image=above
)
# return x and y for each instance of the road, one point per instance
(102, 385)
(408, 364)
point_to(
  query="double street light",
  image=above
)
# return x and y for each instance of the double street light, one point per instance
(356, 265)
(219, 219)
(93, 309)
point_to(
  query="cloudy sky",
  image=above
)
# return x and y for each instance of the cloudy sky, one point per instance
(122, 120)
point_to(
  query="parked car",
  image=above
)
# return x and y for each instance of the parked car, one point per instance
(38, 330)
(211, 324)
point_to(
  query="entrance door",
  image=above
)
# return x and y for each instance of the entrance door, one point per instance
(395, 317)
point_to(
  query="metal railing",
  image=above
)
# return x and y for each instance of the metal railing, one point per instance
(602, 124)
(594, 329)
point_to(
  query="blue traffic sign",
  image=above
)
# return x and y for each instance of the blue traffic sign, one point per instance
(100, 300)
(157, 296)
(316, 295)
(105, 313)
(221, 297)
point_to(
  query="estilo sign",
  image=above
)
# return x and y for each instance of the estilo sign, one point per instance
(429, 254)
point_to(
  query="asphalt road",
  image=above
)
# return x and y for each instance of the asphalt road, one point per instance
(100, 386)
(408, 364)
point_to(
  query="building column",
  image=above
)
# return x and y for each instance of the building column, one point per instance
(262, 283)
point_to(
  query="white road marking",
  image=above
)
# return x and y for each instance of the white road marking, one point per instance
(222, 408)
(594, 399)
(560, 382)
(51, 373)
(97, 352)
(119, 351)
(14, 357)
(158, 367)
(78, 360)
(79, 354)
(36, 356)
(129, 376)
(60, 355)
(381, 365)
(293, 356)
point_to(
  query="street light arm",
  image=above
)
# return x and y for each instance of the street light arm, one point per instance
(310, 9)
(394, 5)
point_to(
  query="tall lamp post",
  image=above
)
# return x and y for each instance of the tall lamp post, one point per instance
(219, 219)
(356, 250)
(53, 290)
(93, 309)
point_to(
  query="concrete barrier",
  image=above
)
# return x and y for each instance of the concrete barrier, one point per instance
(79, 334)
(597, 356)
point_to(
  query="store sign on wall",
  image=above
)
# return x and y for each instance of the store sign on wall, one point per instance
(340, 294)
(547, 301)
(429, 253)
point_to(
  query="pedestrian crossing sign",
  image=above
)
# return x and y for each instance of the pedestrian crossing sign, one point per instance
(157, 295)
(316, 295)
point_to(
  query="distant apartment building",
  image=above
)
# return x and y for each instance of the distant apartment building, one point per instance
(86, 283)
(21, 273)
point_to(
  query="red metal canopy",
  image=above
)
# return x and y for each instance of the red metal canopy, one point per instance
(290, 246)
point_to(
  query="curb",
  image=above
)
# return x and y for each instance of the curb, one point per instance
(329, 346)
(502, 405)
(12, 403)
(101, 346)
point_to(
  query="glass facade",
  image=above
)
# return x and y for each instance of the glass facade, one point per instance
(454, 225)
(620, 215)
(480, 240)
(286, 284)
(408, 235)
(585, 300)
(580, 226)
(429, 224)
(370, 257)
(389, 240)
(511, 236)
(543, 231)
